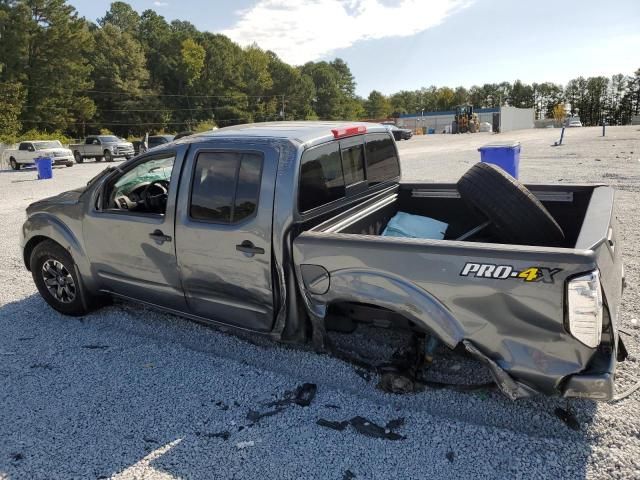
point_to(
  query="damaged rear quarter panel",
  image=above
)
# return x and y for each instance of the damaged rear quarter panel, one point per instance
(516, 322)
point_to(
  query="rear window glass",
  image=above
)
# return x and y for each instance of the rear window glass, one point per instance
(321, 178)
(353, 164)
(382, 161)
(226, 186)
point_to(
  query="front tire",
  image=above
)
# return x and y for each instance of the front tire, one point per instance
(108, 156)
(54, 274)
(69, 164)
(15, 165)
(78, 157)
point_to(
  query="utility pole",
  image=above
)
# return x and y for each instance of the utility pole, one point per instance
(282, 113)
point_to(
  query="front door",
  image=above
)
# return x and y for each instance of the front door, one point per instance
(223, 244)
(129, 231)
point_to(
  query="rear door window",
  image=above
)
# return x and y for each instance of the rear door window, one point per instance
(226, 186)
(321, 177)
(382, 159)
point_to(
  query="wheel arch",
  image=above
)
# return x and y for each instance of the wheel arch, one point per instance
(392, 293)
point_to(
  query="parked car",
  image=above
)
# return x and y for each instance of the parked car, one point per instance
(154, 141)
(28, 151)
(574, 122)
(107, 147)
(399, 133)
(279, 227)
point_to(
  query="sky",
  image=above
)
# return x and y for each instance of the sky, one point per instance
(393, 45)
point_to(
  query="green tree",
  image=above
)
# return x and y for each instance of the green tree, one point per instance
(121, 15)
(50, 59)
(192, 64)
(377, 106)
(11, 102)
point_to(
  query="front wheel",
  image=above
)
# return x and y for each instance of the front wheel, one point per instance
(69, 164)
(108, 156)
(15, 165)
(78, 157)
(54, 274)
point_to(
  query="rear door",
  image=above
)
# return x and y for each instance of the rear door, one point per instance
(223, 237)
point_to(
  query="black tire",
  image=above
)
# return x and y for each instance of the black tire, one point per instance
(108, 156)
(78, 157)
(69, 164)
(15, 165)
(66, 297)
(517, 215)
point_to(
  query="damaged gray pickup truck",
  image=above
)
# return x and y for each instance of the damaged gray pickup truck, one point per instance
(278, 228)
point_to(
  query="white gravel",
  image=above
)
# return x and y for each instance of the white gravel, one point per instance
(128, 392)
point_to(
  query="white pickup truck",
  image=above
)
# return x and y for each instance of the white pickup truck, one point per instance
(28, 151)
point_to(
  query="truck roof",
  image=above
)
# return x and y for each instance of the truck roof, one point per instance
(311, 132)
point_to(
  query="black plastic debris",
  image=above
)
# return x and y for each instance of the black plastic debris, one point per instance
(370, 429)
(451, 456)
(366, 427)
(333, 425)
(255, 416)
(395, 423)
(225, 434)
(568, 418)
(348, 475)
(305, 394)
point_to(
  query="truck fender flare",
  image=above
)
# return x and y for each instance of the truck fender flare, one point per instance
(393, 293)
(43, 226)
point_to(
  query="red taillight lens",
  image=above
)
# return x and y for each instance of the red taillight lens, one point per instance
(348, 131)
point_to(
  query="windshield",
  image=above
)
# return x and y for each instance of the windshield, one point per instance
(46, 145)
(109, 139)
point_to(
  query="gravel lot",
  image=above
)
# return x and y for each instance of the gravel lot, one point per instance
(128, 392)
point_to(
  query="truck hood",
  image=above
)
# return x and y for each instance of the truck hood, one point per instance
(72, 197)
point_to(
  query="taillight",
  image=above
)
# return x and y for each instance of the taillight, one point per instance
(584, 295)
(348, 131)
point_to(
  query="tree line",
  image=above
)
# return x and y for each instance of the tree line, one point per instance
(614, 100)
(131, 73)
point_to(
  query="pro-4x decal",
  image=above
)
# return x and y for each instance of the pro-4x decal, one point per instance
(504, 272)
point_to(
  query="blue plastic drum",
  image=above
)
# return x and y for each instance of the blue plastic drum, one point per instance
(45, 168)
(503, 155)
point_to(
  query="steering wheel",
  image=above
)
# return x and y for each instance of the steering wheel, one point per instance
(153, 201)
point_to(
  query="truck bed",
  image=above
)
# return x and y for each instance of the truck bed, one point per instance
(451, 289)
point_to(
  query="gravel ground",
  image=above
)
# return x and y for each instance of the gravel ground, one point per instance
(128, 392)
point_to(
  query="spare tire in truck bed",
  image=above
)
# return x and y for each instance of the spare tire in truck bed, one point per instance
(517, 215)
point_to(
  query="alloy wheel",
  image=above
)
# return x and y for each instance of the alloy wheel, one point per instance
(58, 281)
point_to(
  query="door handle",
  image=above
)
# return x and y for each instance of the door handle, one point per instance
(249, 247)
(160, 237)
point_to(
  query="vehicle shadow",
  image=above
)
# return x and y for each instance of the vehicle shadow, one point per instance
(129, 391)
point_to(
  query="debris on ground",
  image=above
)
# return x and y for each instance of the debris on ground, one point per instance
(366, 427)
(451, 456)
(348, 475)
(568, 418)
(225, 434)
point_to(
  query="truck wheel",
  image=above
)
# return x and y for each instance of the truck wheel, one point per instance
(15, 165)
(69, 164)
(78, 157)
(517, 215)
(108, 156)
(54, 274)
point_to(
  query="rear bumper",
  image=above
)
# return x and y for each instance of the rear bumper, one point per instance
(597, 381)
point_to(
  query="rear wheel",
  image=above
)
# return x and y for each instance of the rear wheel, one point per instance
(108, 156)
(518, 216)
(78, 157)
(15, 165)
(54, 274)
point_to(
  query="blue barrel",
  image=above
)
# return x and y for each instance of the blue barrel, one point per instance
(45, 167)
(504, 155)
(432, 131)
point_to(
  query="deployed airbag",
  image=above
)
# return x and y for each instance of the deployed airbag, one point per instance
(415, 226)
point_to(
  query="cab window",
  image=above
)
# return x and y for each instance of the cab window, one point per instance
(225, 186)
(321, 177)
(382, 159)
(142, 189)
